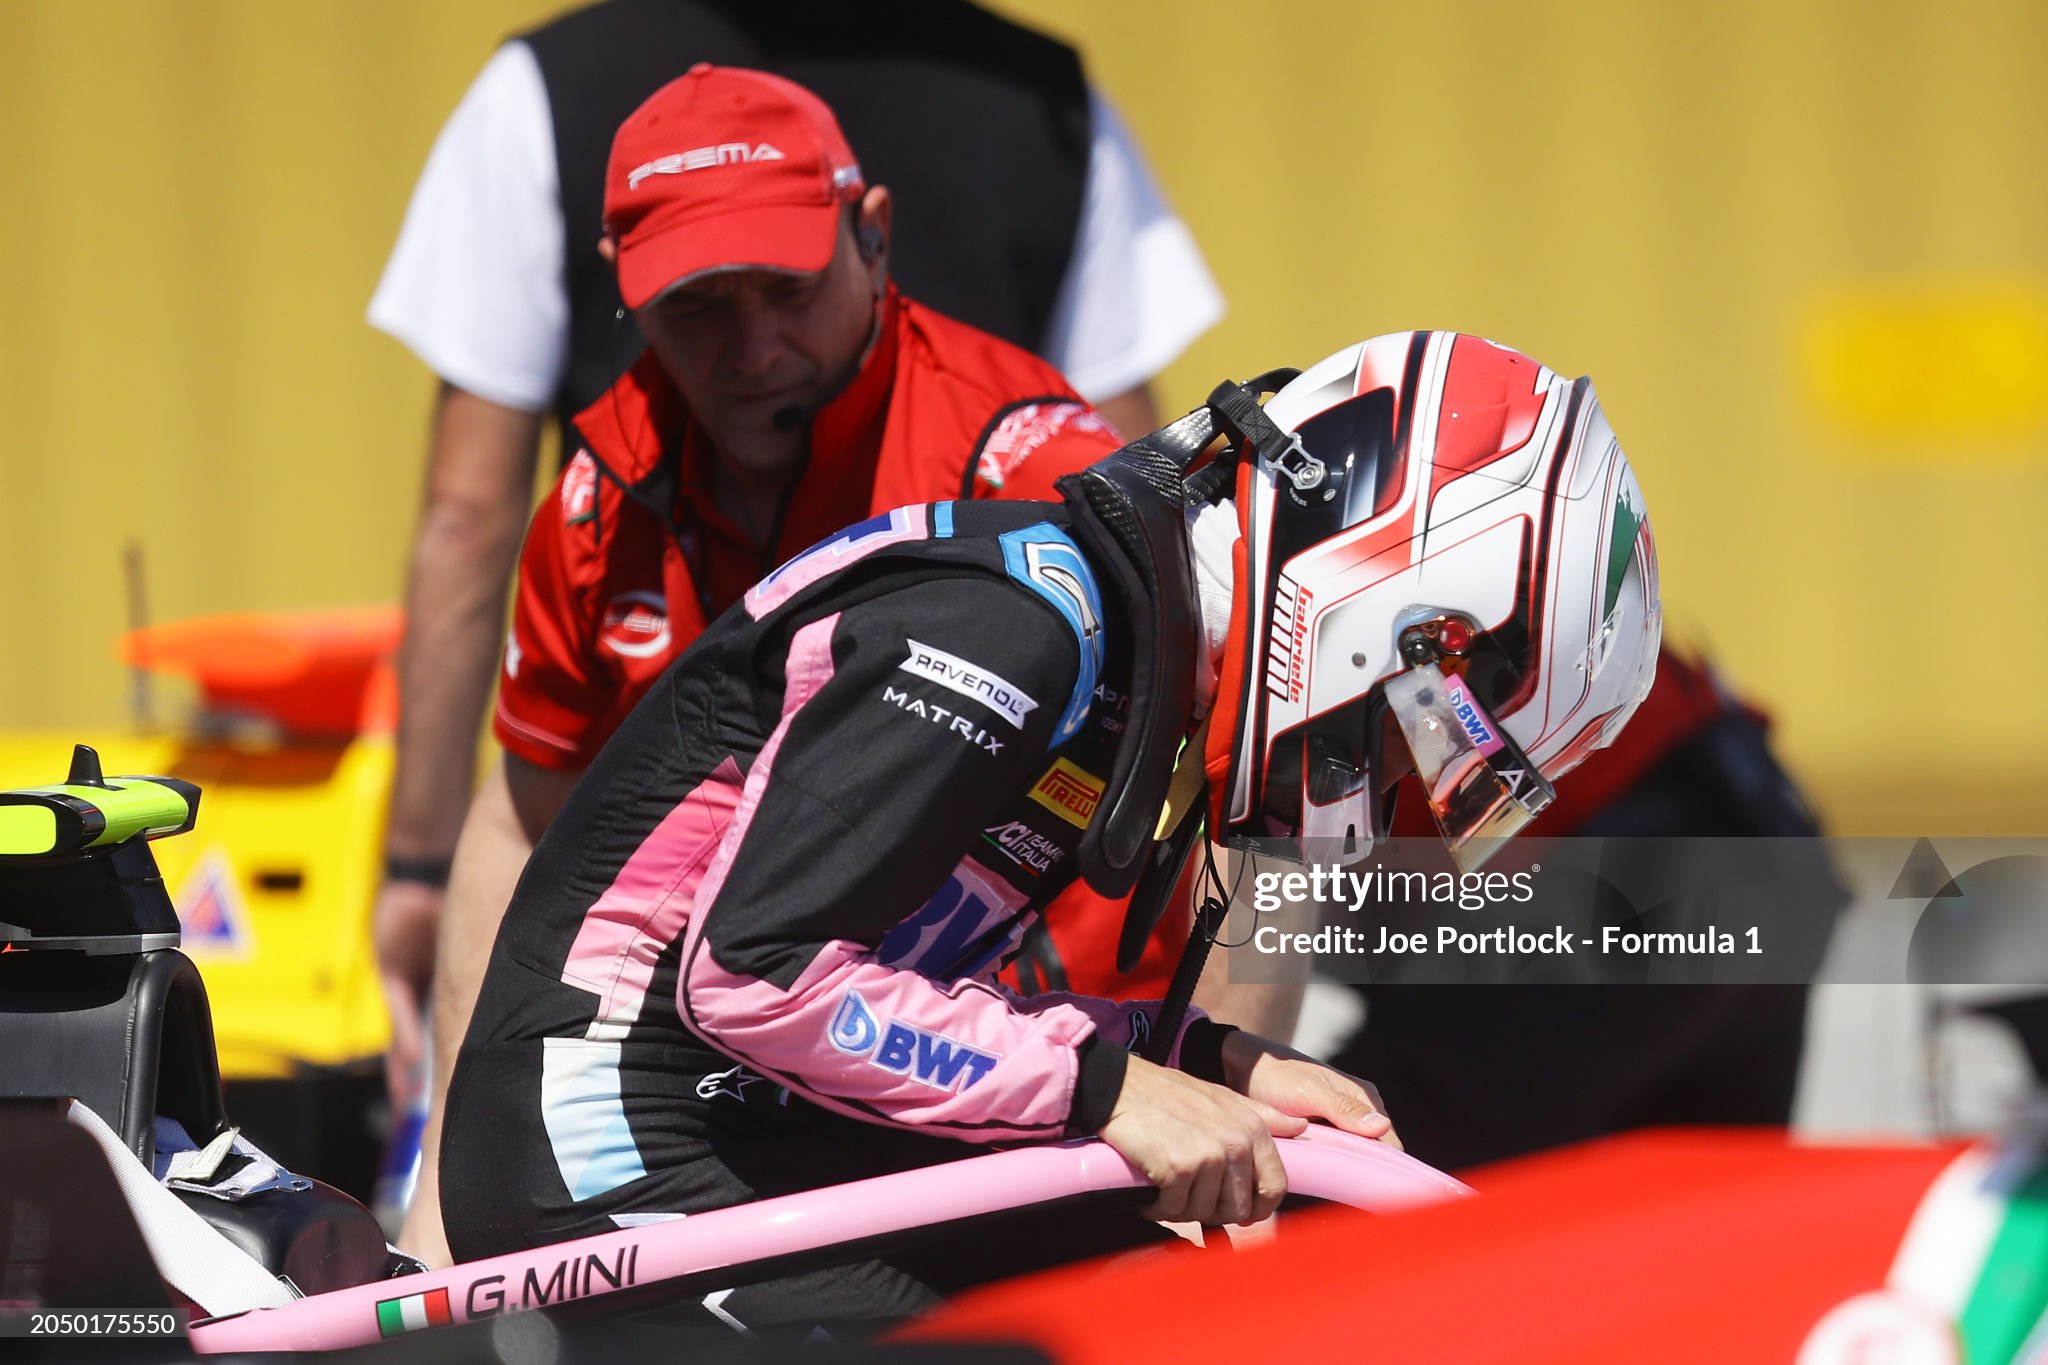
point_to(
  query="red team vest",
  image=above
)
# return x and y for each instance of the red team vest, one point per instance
(629, 559)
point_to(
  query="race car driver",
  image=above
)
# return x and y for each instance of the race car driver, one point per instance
(754, 953)
(787, 389)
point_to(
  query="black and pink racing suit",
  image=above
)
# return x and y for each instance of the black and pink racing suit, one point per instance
(755, 952)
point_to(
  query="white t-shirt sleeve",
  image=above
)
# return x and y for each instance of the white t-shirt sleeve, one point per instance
(475, 285)
(1137, 290)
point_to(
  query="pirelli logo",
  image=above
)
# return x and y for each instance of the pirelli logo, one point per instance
(1069, 793)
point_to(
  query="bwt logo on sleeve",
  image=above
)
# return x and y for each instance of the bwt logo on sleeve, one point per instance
(925, 1057)
(1006, 699)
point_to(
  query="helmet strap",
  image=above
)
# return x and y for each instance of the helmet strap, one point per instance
(1227, 710)
(1238, 407)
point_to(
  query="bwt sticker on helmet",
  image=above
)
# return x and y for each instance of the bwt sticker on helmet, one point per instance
(1068, 792)
(951, 671)
(1473, 719)
(896, 1047)
(1044, 560)
(635, 625)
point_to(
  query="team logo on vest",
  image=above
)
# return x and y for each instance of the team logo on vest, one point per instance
(703, 159)
(923, 1056)
(579, 490)
(1069, 793)
(914, 705)
(635, 625)
(1025, 429)
(1025, 846)
(1007, 700)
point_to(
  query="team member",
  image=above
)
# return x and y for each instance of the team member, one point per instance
(753, 954)
(788, 388)
(1036, 219)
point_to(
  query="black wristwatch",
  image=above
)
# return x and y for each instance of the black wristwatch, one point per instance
(422, 871)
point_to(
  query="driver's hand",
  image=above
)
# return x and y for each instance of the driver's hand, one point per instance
(1297, 1085)
(404, 922)
(1209, 1152)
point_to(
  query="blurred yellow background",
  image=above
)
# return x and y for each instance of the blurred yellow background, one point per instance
(1803, 248)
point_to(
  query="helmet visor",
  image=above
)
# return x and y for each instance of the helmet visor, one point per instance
(1482, 787)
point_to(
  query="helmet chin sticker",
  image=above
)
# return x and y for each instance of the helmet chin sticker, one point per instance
(1482, 787)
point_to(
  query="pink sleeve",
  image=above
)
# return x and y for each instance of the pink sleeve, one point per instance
(1127, 1024)
(834, 964)
(893, 1046)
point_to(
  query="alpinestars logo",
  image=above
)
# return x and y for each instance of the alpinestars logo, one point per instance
(1025, 846)
(734, 1082)
(918, 1054)
(951, 671)
(939, 715)
(703, 158)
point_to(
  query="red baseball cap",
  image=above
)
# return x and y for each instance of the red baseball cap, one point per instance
(725, 169)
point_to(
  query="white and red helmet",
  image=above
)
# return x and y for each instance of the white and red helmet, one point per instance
(1451, 556)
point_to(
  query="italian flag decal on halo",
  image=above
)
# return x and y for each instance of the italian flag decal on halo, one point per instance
(413, 1312)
